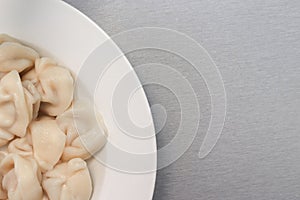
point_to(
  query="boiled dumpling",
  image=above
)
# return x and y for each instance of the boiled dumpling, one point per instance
(55, 85)
(2, 74)
(68, 181)
(21, 146)
(21, 178)
(48, 134)
(45, 197)
(15, 56)
(3, 193)
(33, 98)
(15, 107)
(85, 134)
(6, 38)
(48, 142)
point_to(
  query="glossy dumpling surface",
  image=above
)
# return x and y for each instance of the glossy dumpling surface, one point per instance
(7, 38)
(85, 130)
(21, 146)
(48, 142)
(21, 178)
(68, 181)
(3, 192)
(15, 56)
(55, 85)
(45, 134)
(15, 112)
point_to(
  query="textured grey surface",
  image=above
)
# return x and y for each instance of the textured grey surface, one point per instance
(256, 45)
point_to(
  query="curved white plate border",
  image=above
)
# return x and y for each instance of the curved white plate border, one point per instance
(22, 9)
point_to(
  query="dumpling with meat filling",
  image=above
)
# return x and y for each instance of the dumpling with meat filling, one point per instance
(15, 56)
(33, 98)
(86, 132)
(54, 83)
(68, 181)
(3, 193)
(48, 142)
(18, 106)
(21, 146)
(21, 178)
(7, 38)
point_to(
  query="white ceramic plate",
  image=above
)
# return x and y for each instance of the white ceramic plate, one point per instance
(58, 30)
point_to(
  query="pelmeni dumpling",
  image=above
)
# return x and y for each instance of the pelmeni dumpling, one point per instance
(44, 142)
(33, 98)
(2, 74)
(85, 134)
(21, 146)
(16, 107)
(48, 142)
(68, 181)
(15, 56)
(21, 178)
(55, 85)
(48, 134)
(6, 38)
(3, 193)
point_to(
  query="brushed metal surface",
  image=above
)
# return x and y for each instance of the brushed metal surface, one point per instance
(256, 46)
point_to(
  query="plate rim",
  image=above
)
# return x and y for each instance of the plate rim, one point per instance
(63, 3)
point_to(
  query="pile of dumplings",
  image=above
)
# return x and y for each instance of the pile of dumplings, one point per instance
(42, 156)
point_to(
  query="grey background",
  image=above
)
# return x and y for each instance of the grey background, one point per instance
(256, 46)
